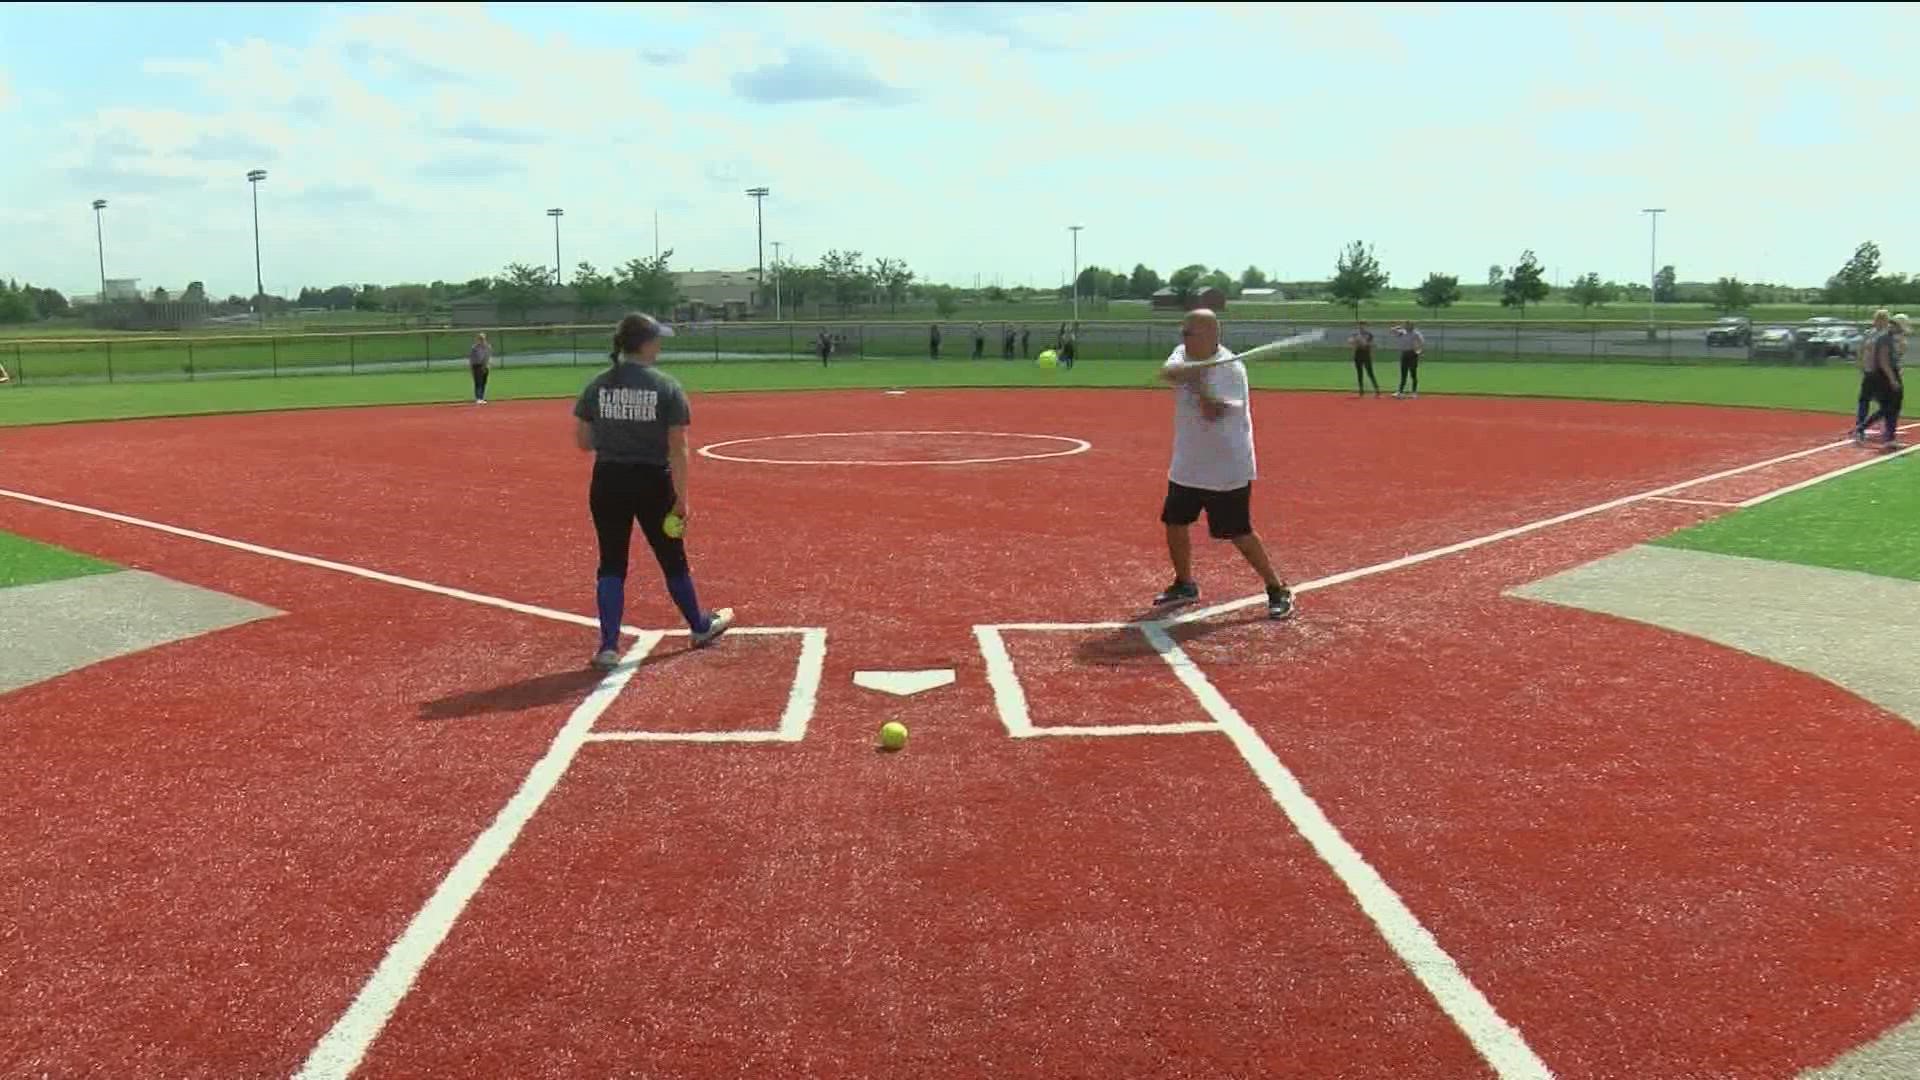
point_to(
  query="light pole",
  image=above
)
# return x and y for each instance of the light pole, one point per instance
(555, 215)
(1075, 230)
(1653, 236)
(776, 281)
(759, 234)
(259, 287)
(100, 243)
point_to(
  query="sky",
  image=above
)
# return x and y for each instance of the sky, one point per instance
(419, 142)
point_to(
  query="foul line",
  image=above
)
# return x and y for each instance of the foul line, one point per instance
(1493, 538)
(1497, 1041)
(1826, 476)
(338, 567)
(343, 1046)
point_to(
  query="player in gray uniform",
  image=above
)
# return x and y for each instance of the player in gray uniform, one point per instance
(633, 417)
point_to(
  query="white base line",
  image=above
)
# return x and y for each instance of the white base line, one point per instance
(1492, 538)
(1497, 1041)
(1694, 502)
(341, 1049)
(337, 567)
(1878, 459)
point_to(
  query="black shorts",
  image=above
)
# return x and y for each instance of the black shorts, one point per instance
(1229, 513)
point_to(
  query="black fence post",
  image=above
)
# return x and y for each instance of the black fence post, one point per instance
(426, 351)
(109, 359)
(273, 345)
(19, 364)
(1516, 341)
(189, 358)
(352, 359)
(861, 330)
(716, 341)
(789, 341)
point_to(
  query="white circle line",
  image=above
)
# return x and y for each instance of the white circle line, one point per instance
(1078, 446)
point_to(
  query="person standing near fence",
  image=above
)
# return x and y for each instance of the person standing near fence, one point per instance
(1412, 343)
(633, 418)
(1361, 340)
(480, 362)
(979, 340)
(1026, 336)
(1069, 347)
(933, 342)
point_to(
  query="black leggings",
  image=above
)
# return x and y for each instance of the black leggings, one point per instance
(1410, 369)
(623, 494)
(1363, 372)
(479, 381)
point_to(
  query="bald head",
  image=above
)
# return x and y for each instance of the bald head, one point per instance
(1200, 333)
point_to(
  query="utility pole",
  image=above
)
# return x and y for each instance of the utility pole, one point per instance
(1075, 230)
(776, 281)
(1653, 288)
(259, 287)
(759, 232)
(100, 243)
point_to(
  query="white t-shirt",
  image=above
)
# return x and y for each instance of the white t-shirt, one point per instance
(1212, 455)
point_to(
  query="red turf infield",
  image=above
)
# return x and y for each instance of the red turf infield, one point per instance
(1645, 882)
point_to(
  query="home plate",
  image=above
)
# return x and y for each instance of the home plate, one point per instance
(903, 683)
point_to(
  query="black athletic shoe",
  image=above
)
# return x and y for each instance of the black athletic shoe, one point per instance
(1280, 603)
(1180, 592)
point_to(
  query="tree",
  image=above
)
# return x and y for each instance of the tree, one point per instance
(1438, 291)
(196, 292)
(1663, 286)
(1854, 284)
(1357, 277)
(1496, 276)
(845, 277)
(593, 291)
(1143, 282)
(1524, 284)
(1589, 291)
(370, 298)
(1730, 295)
(1186, 281)
(1218, 279)
(893, 277)
(1253, 278)
(410, 298)
(645, 284)
(14, 305)
(944, 301)
(520, 288)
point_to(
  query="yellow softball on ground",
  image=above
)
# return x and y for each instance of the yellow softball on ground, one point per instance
(893, 735)
(1047, 358)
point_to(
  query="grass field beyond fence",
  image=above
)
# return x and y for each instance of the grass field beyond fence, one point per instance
(165, 357)
(1829, 389)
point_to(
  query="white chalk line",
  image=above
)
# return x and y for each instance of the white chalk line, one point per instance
(1498, 1042)
(1878, 459)
(1079, 446)
(1694, 502)
(341, 1049)
(370, 575)
(1431, 554)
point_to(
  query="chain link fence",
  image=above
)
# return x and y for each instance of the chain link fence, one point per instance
(134, 358)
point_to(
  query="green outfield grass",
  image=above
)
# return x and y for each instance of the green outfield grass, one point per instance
(23, 562)
(1819, 389)
(1862, 521)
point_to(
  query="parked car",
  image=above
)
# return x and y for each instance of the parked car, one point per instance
(1775, 341)
(1833, 341)
(1732, 330)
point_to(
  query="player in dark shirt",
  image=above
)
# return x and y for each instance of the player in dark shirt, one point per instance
(634, 417)
(1362, 341)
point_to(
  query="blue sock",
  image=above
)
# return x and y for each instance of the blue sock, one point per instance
(612, 598)
(680, 587)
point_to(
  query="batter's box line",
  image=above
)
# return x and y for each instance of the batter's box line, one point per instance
(801, 700)
(1010, 698)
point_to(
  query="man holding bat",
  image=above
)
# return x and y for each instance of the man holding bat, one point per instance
(1213, 459)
